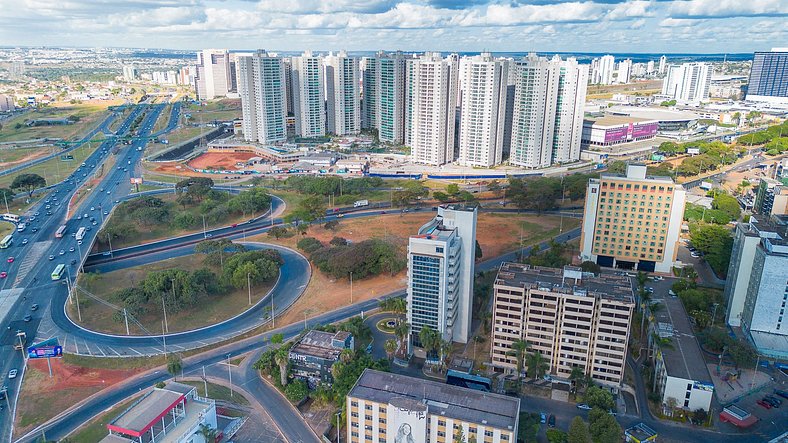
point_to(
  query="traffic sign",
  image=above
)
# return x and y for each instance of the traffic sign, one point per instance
(44, 351)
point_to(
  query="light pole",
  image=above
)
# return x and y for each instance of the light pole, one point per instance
(351, 288)
(249, 284)
(273, 313)
(230, 374)
(204, 235)
(109, 241)
(5, 197)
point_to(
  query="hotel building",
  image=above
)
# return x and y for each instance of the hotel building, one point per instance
(385, 408)
(574, 319)
(632, 221)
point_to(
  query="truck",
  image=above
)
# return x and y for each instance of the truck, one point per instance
(706, 186)
(360, 203)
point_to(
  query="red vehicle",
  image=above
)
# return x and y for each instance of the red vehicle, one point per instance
(235, 225)
(3, 274)
(764, 404)
(10, 259)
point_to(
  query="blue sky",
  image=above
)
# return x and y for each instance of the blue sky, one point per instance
(699, 26)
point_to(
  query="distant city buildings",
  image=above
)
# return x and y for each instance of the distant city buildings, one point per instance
(756, 289)
(440, 275)
(632, 221)
(261, 85)
(602, 70)
(573, 319)
(769, 77)
(624, 71)
(313, 355)
(390, 97)
(129, 73)
(688, 82)
(663, 63)
(214, 77)
(387, 407)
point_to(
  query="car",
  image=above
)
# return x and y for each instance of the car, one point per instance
(79, 242)
(763, 404)
(101, 190)
(694, 255)
(208, 235)
(340, 215)
(34, 307)
(48, 207)
(234, 225)
(88, 228)
(92, 208)
(12, 374)
(583, 406)
(24, 241)
(62, 251)
(34, 229)
(71, 249)
(3, 274)
(32, 218)
(542, 417)
(27, 318)
(73, 262)
(49, 212)
(37, 213)
(781, 393)
(551, 421)
(85, 216)
(106, 212)
(649, 289)
(93, 223)
(772, 401)
(382, 212)
(10, 259)
(79, 217)
(51, 257)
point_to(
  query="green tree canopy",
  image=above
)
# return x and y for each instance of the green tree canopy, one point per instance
(28, 183)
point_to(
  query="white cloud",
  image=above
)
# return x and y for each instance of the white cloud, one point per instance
(728, 8)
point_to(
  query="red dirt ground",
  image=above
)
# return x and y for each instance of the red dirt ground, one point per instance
(220, 160)
(68, 376)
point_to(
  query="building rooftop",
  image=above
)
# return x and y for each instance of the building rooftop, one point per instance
(640, 432)
(320, 344)
(616, 120)
(684, 358)
(465, 404)
(653, 113)
(570, 280)
(141, 415)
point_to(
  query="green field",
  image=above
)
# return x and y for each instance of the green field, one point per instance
(6, 228)
(89, 115)
(163, 120)
(11, 156)
(213, 110)
(217, 392)
(55, 170)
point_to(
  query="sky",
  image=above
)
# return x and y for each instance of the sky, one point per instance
(669, 26)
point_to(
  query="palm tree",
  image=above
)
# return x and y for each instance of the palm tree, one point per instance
(445, 352)
(207, 432)
(346, 355)
(390, 346)
(519, 350)
(401, 331)
(174, 365)
(430, 339)
(282, 358)
(536, 364)
(578, 378)
(358, 328)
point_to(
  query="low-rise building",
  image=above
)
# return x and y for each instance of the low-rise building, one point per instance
(312, 356)
(573, 318)
(172, 414)
(612, 130)
(680, 372)
(386, 407)
(640, 433)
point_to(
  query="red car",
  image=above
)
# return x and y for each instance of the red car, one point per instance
(235, 225)
(760, 402)
(10, 259)
(3, 274)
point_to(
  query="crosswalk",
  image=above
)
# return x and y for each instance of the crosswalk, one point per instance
(36, 251)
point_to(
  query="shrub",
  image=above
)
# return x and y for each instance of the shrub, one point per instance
(309, 244)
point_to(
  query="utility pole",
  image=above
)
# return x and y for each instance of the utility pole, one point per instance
(164, 307)
(249, 284)
(204, 235)
(230, 374)
(5, 197)
(164, 339)
(271, 211)
(351, 288)
(273, 313)
(109, 241)
(126, 317)
(79, 312)
(205, 381)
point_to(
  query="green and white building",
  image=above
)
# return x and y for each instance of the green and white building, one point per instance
(261, 85)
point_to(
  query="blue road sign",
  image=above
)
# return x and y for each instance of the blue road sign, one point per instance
(44, 351)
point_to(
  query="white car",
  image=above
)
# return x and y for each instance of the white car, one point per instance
(583, 406)
(12, 373)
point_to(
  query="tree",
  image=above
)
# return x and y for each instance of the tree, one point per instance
(727, 204)
(578, 431)
(589, 266)
(495, 187)
(578, 378)
(282, 359)
(208, 433)
(430, 340)
(556, 436)
(390, 346)
(715, 242)
(452, 189)
(537, 365)
(401, 331)
(603, 427)
(700, 415)
(297, 390)
(519, 350)
(599, 398)
(28, 183)
(174, 365)
(277, 338)
(459, 436)
(6, 195)
(479, 253)
(441, 196)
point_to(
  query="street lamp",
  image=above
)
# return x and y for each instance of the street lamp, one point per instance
(249, 284)
(230, 374)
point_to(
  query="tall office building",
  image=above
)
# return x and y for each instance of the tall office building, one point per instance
(309, 98)
(573, 318)
(432, 107)
(129, 73)
(769, 77)
(369, 73)
(624, 71)
(440, 275)
(387, 407)
(632, 221)
(547, 122)
(603, 69)
(390, 97)
(214, 74)
(343, 98)
(6, 103)
(688, 83)
(650, 67)
(482, 98)
(261, 85)
(663, 63)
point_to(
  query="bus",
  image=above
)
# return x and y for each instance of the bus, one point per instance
(57, 274)
(60, 231)
(458, 378)
(80, 234)
(10, 217)
(6, 241)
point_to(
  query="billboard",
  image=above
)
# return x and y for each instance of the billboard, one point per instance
(136, 180)
(44, 351)
(406, 421)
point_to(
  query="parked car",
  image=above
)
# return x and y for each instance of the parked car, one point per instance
(551, 421)
(27, 318)
(771, 402)
(3, 274)
(583, 406)
(542, 417)
(774, 399)
(781, 393)
(10, 259)
(763, 404)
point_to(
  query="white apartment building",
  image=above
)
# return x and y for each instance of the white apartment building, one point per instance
(440, 275)
(663, 63)
(129, 73)
(688, 82)
(343, 95)
(392, 408)
(573, 319)
(603, 69)
(390, 97)
(214, 74)
(433, 92)
(6, 103)
(482, 98)
(369, 72)
(632, 221)
(309, 97)
(624, 71)
(261, 85)
(547, 121)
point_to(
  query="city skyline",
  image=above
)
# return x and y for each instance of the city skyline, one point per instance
(699, 26)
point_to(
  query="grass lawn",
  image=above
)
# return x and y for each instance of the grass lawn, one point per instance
(89, 114)
(225, 109)
(217, 392)
(165, 178)
(96, 429)
(210, 310)
(55, 170)
(17, 155)
(131, 363)
(6, 228)
(163, 120)
(115, 125)
(183, 134)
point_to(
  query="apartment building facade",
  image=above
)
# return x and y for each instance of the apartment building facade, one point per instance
(261, 85)
(688, 82)
(384, 407)
(440, 275)
(214, 74)
(390, 97)
(632, 221)
(574, 319)
(309, 97)
(343, 95)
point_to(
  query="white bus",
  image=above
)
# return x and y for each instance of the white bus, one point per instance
(57, 274)
(60, 231)
(6, 241)
(80, 234)
(10, 217)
